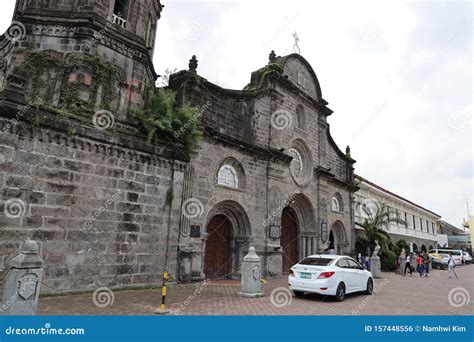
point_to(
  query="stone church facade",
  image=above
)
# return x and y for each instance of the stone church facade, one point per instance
(107, 208)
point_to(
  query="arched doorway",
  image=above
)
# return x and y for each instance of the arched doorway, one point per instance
(331, 241)
(289, 238)
(217, 259)
(423, 248)
(337, 238)
(415, 247)
(226, 240)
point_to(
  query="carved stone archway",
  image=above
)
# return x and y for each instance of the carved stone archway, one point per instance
(226, 223)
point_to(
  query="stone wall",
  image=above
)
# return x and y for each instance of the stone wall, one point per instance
(104, 213)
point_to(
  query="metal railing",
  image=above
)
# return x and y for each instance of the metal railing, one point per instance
(119, 21)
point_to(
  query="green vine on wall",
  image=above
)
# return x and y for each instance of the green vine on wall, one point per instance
(38, 64)
(264, 73)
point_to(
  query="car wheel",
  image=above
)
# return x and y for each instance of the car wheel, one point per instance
(370, 286)
(341, 292)
(298, 293)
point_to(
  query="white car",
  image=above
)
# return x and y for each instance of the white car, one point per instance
(467, 258)
(333, 275)
(456, 253)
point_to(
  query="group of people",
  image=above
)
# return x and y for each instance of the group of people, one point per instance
(364, 260)
(422, 264)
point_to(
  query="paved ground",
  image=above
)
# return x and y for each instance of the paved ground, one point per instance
(396, 295)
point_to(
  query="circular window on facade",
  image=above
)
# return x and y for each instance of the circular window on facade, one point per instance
(296, 166)
(300, 167)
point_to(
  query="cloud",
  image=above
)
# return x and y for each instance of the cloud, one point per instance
(398, 76)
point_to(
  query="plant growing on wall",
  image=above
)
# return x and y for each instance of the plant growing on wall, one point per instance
(162, 119)
(44, 70)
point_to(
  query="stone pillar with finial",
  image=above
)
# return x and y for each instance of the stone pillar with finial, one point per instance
(271, 57)
(23, 281)
(348, 151)
(250, 285)
(193, 64)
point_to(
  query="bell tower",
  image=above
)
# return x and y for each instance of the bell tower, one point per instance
(78, 36)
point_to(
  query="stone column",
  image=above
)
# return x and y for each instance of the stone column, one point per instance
(22, 284)
(250, 285)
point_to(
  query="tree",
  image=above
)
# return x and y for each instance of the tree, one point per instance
(378, 217)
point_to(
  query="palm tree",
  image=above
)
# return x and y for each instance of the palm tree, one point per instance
(378, 217)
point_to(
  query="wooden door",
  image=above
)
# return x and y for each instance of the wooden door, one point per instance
(217, 259)
(289, 238)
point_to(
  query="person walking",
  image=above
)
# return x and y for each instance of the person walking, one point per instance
(407, 265)
(359, 258)
(419, 264)
(426, 262)
(451, 266)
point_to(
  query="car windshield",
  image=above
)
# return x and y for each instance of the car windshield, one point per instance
(316, 261)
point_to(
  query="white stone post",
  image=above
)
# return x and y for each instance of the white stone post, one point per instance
(250, 285)
(22, 284)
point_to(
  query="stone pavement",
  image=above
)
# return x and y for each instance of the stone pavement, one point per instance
(396, 295)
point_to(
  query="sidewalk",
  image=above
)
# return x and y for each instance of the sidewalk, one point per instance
(396, 295)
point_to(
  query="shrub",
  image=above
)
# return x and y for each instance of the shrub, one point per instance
(162, 119)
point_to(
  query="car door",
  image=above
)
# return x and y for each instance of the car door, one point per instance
(346, 274)
(358, 276)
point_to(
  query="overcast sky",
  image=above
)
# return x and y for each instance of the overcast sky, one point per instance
(398, 76)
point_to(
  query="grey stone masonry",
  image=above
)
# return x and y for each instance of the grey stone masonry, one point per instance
(23, 281)
(99, 208)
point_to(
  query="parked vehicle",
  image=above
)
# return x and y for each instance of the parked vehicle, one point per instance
(333, 275)
(457, 254)
(439, 261)
(467, 258)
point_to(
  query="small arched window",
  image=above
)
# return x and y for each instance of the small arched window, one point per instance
(228, 176)
(336, 203)
(300, 117)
